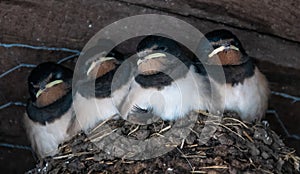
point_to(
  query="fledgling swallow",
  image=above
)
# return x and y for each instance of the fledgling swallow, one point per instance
(166, 84)
(246, 88)
(49, 110)
(97, 98)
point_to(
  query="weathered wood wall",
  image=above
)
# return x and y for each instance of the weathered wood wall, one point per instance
(269, 29)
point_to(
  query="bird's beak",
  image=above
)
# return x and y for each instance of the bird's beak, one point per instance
(151, 56)
(222, 48)
(95, 63)
(49, 85)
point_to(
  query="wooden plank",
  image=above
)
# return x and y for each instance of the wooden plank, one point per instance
(73, 23)
(280, 18)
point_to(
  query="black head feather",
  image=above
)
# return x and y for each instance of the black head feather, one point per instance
(178, 63)
(160, 44)
(45, 73)
(224, 37)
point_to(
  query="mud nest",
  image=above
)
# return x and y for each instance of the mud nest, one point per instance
(200, 143)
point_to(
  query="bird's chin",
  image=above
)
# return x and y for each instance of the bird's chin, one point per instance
(149, 72)
(147, 69)
(230, 57)
(150, 67)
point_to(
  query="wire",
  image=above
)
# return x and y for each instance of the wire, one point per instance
(294, 98)
(25, 65)
(287, 133)
(8, 104)
(15, 146)
(22, 65)
(67, 58)
(39, 47)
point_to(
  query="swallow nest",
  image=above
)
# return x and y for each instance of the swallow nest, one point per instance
(231, 146)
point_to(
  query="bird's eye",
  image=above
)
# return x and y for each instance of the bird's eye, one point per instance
(58, 76)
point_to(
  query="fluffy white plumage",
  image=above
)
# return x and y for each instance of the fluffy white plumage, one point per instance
(91, 111)
(171, 102)
(45, 139)
(249, 100)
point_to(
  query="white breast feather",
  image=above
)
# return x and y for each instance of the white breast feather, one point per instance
(172, 102)
(249, 99)
(46, 138)
(89, 112)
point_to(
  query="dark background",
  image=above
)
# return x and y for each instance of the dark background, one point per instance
(269, 31)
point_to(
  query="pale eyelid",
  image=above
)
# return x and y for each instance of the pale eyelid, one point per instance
(222, 48)
(49, 85)
(151, 56)
(95, 63)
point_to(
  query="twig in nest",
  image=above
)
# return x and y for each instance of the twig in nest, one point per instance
(182, 143)
(157, 135)
(63, 146)
(171, 145)
(101, 124)
(230, 130)
(214, 167)
(237, 120)
(251, 162)
(247, 135)
(241, 150)
(134, 130)
(63, 156)
(205, 148)
(66, 148)
(104, 135)
(197, 134)
(90, 158)
(90, 171)
(96, 134)
(192, 145)
(183, 155)
(165, 129)
(296, 159)
(128, 162)
(194, 156)
(70, 155)
(198, 171)
(232, 124)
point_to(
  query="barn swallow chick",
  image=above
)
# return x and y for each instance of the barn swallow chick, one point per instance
(246, 88)
(49, 110)
(97, 98)
(166, 83)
